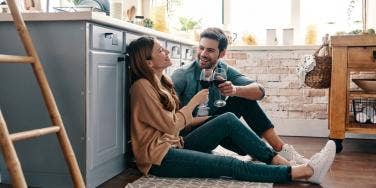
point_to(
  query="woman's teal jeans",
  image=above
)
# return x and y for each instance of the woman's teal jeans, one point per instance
(196, 160)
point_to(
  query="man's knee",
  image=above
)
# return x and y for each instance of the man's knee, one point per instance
(241, 102)
(229, 116)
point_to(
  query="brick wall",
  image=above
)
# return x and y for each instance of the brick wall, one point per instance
(286, 97)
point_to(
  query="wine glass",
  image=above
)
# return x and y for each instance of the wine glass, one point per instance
(219, 77)
(205, 82)
(206, 78)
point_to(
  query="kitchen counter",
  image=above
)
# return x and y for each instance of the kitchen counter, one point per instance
(99, 18)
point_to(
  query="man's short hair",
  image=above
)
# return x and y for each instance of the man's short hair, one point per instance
(216, 34)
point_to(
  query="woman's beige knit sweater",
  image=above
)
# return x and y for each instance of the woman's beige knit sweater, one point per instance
(153, 129)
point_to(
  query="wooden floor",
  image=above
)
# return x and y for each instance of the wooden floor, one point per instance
(354, 167)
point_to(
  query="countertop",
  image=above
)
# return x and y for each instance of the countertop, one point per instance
(96, 17)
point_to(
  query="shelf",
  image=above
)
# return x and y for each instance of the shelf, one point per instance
(361, 128)
(361, 94)
(368, 68)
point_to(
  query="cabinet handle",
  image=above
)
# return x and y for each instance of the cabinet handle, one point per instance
(120, 59)
(374, 55)
(108, 35)
(112, 36)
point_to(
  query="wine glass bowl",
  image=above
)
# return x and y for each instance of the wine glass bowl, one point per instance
(218, 80)
(206, 78)
(205, 82)
(219, 77)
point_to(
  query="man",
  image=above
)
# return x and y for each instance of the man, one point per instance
(241, 91)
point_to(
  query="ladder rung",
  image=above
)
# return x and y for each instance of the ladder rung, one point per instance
(34, 133)
(16, 59)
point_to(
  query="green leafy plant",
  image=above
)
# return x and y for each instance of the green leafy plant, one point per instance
(75, 2)
(188, 23)
(148, 23)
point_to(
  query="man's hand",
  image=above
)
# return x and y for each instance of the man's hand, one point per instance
(253, 91)
(227, 89)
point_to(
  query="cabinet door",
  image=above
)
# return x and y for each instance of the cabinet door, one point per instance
(105, 127)
(175, 53)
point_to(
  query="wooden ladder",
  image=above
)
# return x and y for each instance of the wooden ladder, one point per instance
(6, 139)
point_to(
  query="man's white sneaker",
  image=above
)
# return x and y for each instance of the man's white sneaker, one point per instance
(321, 162)
(288, 152)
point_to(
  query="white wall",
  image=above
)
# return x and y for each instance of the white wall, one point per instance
(371, 14)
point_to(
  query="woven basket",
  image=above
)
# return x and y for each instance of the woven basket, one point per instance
(320, 76)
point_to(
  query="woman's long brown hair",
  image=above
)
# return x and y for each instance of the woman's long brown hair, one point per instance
(139, 52)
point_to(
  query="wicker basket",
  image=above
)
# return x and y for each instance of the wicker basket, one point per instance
(320, 76)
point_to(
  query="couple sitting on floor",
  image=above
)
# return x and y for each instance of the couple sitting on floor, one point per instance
(168, 141)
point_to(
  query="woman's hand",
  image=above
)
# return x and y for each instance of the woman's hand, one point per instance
(199, 98)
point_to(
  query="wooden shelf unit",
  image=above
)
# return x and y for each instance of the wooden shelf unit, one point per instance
(350, 54)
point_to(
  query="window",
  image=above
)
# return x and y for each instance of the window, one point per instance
(207, 12)
(312, 18)
(305, 16)
(254, 17)
(330, 16)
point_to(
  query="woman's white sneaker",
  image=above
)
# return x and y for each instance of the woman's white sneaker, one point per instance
(289, 153)
(321, 162)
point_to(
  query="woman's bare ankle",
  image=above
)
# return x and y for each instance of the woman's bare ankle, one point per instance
(279, 160)
(301, 172)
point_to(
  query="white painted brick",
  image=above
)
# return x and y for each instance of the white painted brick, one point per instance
(286, 97)
(271, 91)
(322, 100)
(278, 114)
(283, 107)
(242, 63)
(269, 63)
(277, 84)
(289, 63)
(231, 62)
(290, 92)
(279, 55)
(252, 77)
(269, 77)
(256, 55)
(296, 85)
(239, 55)
(302, 99)
(289, 77)
(292, 70)
(317, 115)
(296, 106)
(279, 99)
(315, 107)
(314, 92)
(255, 70)
(279, 70)
(297, 115)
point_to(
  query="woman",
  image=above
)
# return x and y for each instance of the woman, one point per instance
(157, 118)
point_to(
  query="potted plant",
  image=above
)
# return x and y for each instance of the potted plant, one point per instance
(188, 24)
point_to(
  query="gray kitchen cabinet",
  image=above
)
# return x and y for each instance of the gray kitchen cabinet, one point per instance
(105, 138)
(175, 56)
(84, 64)
(186, 54)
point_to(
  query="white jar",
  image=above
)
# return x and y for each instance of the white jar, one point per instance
(116, 9)
(271, 37)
